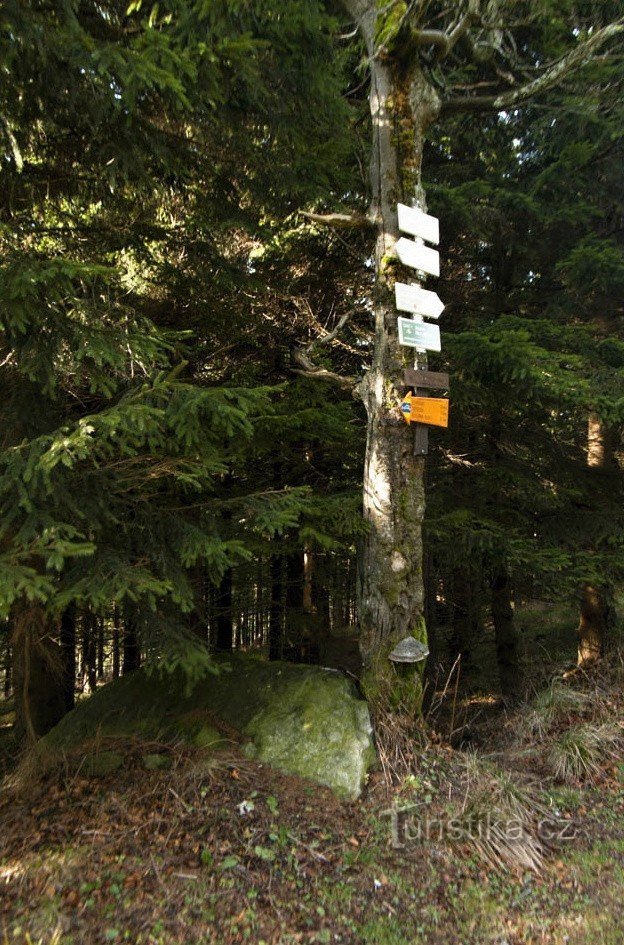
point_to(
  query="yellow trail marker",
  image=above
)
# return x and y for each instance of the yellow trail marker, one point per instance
(430, 410)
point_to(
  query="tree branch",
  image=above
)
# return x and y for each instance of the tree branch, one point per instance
(308, 369)
(339, 221)
(325, 339)
(575, 59)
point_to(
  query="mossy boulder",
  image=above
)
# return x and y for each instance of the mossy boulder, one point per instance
(317, 729)
(302, 720)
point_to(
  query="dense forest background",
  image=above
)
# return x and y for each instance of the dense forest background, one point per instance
(182, 339)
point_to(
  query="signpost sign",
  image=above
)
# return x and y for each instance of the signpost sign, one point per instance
(433, 411)
(416, 223)
(418, 256)
(419, 335)
(411, 298)
(415, 333)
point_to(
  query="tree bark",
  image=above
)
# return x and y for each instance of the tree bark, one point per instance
(466, 619)
(223, 613)
(131, 649)
(37, 674)
(276, 610)
(592, 625)
(507, 654)
(116, 661)
(8, 661)
(594, 609)
(390, 592)
(68, 656)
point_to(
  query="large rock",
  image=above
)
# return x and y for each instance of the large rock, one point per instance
(302, 720)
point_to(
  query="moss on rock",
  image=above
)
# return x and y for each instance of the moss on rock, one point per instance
(301, 719)
(317, 729)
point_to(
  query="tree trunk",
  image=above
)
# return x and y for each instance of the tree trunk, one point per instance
(8, 661)
(507, 655)
(68, 656)
(592, 625)
(223, 613)
(116, 642)
(391, 596)
(276, 608)
(89, 641)
(466, 620)
(131, 650)
(100, 647)
(593, 619)
(37, 674)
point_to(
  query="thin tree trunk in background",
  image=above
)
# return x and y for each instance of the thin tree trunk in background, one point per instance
(592, 625)
(100, 648)
(506, 634)
(8, 657)
(276, 584)
(131, 650)
(593, 620)
(222, 610)
(116, 660)
(88, 656)
(465, 615)
(68, 656)
(197, 622)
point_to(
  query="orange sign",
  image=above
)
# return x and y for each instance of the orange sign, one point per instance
(430, 410)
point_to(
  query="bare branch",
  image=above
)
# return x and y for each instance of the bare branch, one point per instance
(339, 221)
(325, 339)
(575, 59)
(433, 38)
(308, 369)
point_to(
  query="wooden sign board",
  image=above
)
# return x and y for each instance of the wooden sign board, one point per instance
(433, 411)
(430, 380)
(418, 256)
(419, 335)
(416, 223)
(411, 298)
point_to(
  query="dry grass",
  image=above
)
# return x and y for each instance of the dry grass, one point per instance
(578, 753)
(500, 817)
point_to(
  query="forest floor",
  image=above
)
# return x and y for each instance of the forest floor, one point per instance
(223, 850)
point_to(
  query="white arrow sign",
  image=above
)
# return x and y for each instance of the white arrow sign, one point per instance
(418, 256)
(417, 223)
(411, 298)
(419, 335)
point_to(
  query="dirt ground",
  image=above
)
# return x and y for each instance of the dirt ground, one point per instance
(222, 850)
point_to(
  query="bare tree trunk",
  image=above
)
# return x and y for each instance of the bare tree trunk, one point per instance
(223, 613)
(131, 650)
(593, 620)
(276, 610)
(391, 596)
(592, 625)
(8, 658)
(116, 642)
(507, 655)
(100, 647)
(37, 674)
(68, 656)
